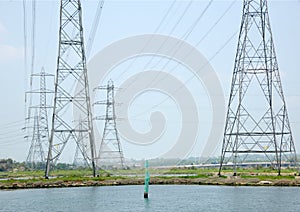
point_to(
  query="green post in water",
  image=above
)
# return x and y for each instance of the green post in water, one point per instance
(147, 179)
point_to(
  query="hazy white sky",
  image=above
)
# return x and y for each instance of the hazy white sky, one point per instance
(121, 19)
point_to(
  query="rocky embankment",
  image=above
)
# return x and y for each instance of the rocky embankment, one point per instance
(229, 181)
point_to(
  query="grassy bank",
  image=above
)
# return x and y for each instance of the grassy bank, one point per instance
(76, 178)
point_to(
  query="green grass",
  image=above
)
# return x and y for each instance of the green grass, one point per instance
(269, 177)
(260, 170)
(114, 174)
(86, 175)
(41, 173)
(196, 176)
(64, 178)
(21, 174)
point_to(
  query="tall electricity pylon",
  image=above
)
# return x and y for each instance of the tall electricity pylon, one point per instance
(110, 152)
(68, 102)
(40, 138)
(257, 119)
(36, 152)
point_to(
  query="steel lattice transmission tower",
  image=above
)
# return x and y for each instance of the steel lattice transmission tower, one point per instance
(257, 119)
(110, 152)
(40, 139)
(70, 104)
(36, 152)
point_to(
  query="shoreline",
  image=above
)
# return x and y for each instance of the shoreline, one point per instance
(219, 181)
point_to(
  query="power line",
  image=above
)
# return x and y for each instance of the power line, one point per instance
(49, 34)
(171, 32)
(32, 65)
(199, 42)
(210, 59)
(9, 124)
(166, 39)
(10, 132)
(17, 141)
(150, 39)
(25, 48)
(94, 28)
(184, 37)
(187, 33)
(216, 23)
(189, 79)
(33, 39)
(21, 136)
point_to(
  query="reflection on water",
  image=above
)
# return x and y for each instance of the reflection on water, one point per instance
(147, 204)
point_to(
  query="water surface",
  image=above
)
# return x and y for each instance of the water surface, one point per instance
(161, 198)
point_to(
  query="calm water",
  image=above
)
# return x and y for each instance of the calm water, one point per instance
(161, 198)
